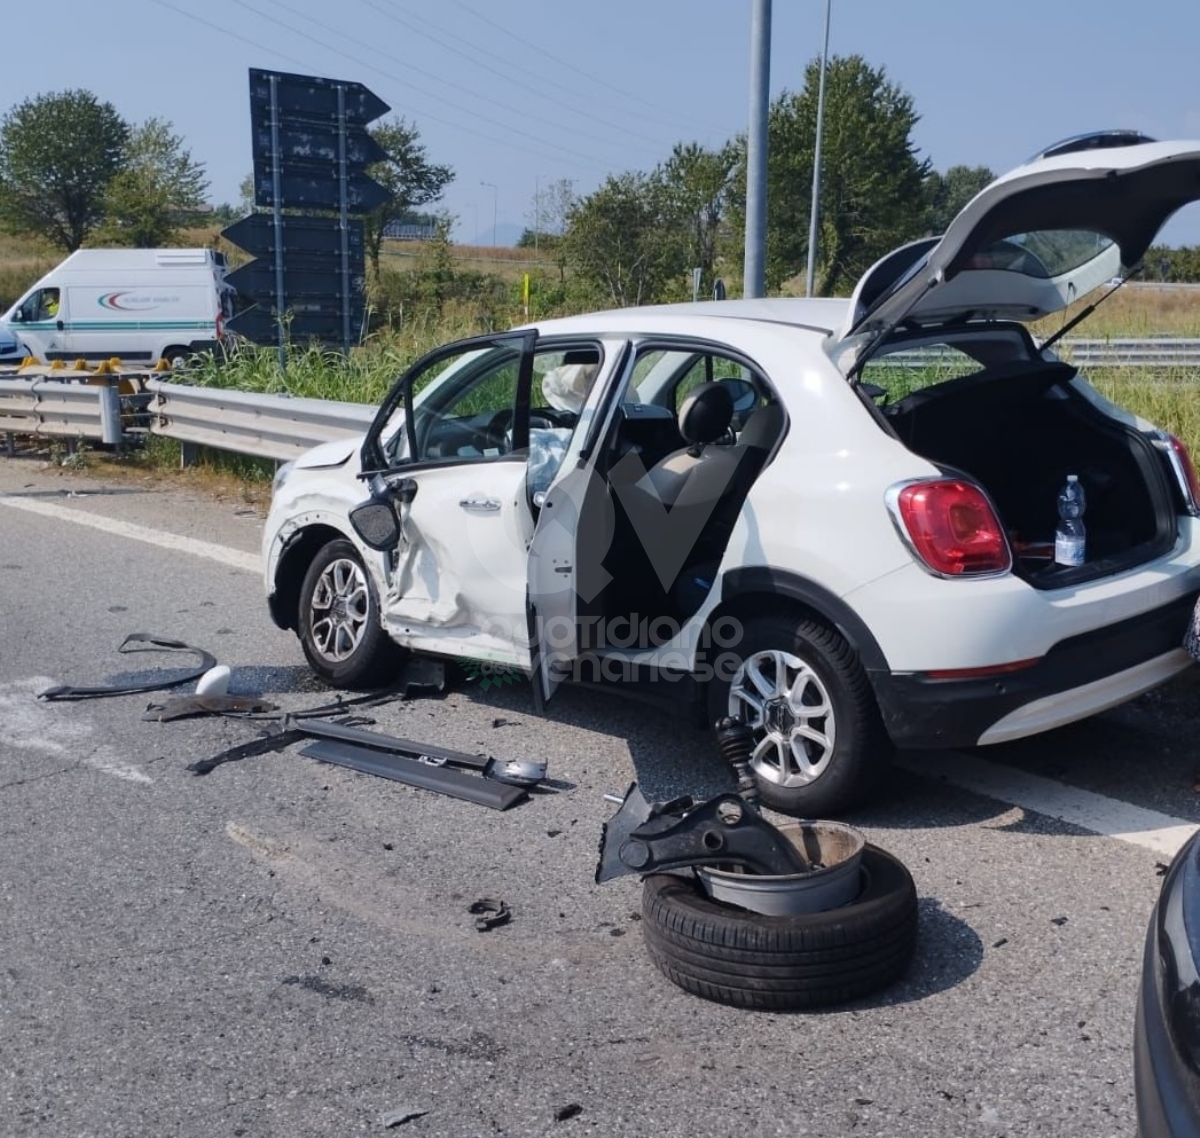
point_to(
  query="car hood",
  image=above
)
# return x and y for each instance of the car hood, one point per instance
(334, 453)
(1031, 243)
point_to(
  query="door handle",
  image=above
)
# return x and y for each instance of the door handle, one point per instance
(480, 505)
(59, 325)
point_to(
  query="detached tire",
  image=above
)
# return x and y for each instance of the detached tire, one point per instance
(732, 956)
(339, 621)
(820, 746)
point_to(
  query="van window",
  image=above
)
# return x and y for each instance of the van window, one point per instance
(40, 305)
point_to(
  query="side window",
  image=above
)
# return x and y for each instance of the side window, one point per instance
(41, 305)
(906, 370)
(745, 389)
(465, 408)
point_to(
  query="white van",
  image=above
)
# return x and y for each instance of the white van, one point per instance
(140, 305)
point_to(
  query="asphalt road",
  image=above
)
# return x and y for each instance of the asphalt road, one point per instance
(284, 948)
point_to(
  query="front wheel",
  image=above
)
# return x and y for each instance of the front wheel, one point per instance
(819, 742)
(339, 622)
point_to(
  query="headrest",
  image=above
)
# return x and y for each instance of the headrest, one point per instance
(706, 414)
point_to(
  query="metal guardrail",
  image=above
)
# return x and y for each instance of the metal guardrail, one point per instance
(40, 406)
(1167, 352)
(275, 427)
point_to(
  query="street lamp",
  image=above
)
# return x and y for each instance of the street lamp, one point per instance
(816, 186)
(495, 204)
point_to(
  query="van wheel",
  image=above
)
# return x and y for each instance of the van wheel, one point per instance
(175, 355)
(339, 622)
(820, 746)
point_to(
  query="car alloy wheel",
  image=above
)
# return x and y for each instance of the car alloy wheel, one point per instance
(339, 626)
(339, 609)
(781, 698)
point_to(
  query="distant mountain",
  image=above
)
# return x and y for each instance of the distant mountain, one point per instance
(507, 235)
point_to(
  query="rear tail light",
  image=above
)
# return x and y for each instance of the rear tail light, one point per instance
(1183, 468)
(950, 525)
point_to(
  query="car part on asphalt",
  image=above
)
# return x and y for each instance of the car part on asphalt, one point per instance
(190, 706)
(646, 838)
(272, 741)
(786, 963)
(489, 914)
(215, 681)
(518, 772)
(832, 875)
(444, 780)
(1166, 1041)
(153, 644)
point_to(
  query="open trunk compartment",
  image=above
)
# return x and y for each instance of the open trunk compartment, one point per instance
(1018, 431)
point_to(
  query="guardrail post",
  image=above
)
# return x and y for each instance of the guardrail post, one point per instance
(189, 455)
(10, 443)
(110, 413)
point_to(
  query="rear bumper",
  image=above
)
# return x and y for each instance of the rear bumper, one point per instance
(1078, 677)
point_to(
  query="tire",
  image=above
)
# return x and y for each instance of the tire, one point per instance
(339, 623)
(820, 744)
(175, 355)
(726, 954)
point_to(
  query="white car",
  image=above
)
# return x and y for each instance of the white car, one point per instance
(831, 519)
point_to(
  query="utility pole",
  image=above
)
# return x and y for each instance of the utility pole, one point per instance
(756, 150)
(816, 185)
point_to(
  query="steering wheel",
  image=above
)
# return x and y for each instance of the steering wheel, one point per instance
(495, 434)
(549, 417)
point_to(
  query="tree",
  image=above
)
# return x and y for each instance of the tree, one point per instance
(695, 187)
(947, 193)
(872, 194)
(159, 185)
(58, 153)
(407, 174)
(619, 246)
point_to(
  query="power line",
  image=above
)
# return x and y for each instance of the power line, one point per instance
(572, 66)
(543, 90)
(588, 159)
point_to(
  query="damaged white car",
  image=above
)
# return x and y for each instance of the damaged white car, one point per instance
(833, 519)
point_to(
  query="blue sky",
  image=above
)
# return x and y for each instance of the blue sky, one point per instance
(517, 93)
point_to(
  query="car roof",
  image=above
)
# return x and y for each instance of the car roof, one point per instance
(821, 314)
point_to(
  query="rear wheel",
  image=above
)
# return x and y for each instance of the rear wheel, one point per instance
(175, 355)
(819, 743)
(339, 621)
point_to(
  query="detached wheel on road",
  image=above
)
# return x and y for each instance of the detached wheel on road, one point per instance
(819, 742)
(736, 957)
(339, 623)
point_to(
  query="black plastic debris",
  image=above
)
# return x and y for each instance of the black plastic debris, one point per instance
(143, 642)
(192, 706)
(400, 1117)
(489, 914)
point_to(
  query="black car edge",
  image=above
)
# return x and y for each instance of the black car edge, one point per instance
(1166, 1050)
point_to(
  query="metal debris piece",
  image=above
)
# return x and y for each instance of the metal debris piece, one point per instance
(154, 644)
(188, 706)
(273, 741)
(400, 1117)
(725, 830)
(564, 1113)
(483, 791)
(518, 772)
(490, 914)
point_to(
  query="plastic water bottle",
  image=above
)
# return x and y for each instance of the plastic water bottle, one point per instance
(1070, 539)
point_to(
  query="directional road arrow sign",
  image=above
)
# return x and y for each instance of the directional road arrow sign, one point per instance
(311, 188)
(257, 281)
(309, 97)
(303, 143)
(258, 324)
(306, 240)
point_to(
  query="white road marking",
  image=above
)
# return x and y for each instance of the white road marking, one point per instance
(1137, 825)
(43, 729)
(222, 553)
